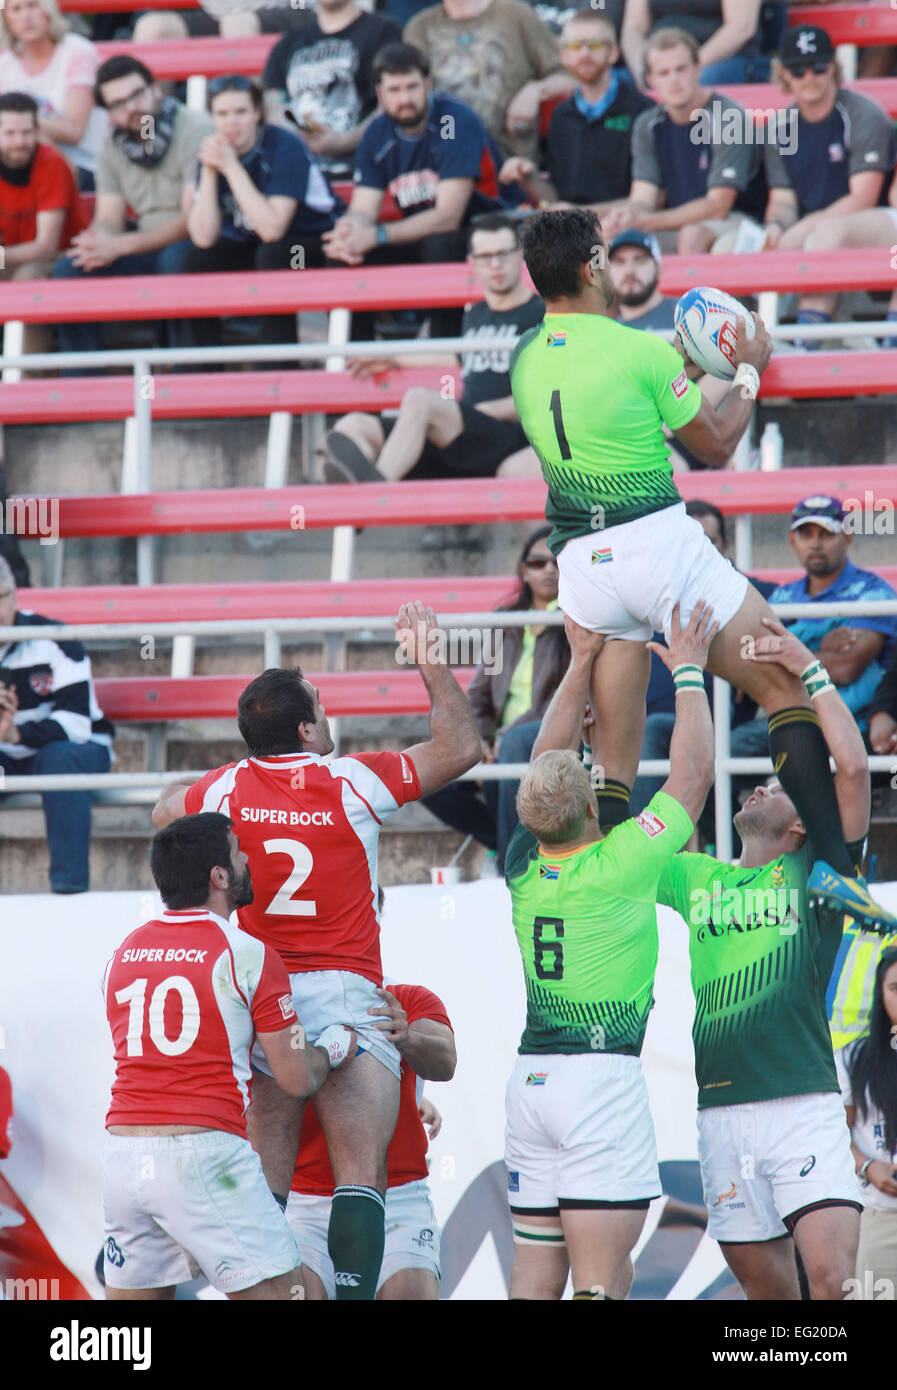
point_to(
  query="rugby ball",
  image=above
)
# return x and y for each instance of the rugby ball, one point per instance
(706, 322)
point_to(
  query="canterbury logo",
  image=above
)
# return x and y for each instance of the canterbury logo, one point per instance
(780, 762)
(349, 1280)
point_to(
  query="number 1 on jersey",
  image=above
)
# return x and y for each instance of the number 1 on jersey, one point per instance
(559, 425)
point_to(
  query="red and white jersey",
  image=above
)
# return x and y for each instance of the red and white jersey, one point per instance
(185, 996)
(406, 1159)
(310, 830)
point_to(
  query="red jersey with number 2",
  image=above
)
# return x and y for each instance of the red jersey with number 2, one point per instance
(311, 829)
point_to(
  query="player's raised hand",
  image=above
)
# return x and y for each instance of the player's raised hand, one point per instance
(430, 1117)
(416, 627)
(584, 644)
(395, 1019)
(755, 351)
(780, 647)
(689, 646)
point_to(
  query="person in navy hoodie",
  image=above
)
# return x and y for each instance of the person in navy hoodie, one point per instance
(439, 162)
(261, 202)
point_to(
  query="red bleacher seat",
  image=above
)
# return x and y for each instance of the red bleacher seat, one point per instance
(344, 693)
(856, 24)
(428, 503)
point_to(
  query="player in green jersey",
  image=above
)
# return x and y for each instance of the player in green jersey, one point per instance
(579, 1142)
(772, 1137)
(593, 396)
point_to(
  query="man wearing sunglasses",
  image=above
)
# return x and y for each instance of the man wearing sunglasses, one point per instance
(589, 138)
(837, 164)
(147, 162)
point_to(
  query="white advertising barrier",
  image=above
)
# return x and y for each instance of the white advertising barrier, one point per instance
(457, 941)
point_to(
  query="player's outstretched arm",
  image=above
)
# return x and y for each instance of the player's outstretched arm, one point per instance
(300, 1070)
(853, 786)
(714, 432)
(171, 804)
(454, 743)
(691, 746)
(562, 721)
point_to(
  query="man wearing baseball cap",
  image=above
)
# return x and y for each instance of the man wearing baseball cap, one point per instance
(855, 651)
(828, 160)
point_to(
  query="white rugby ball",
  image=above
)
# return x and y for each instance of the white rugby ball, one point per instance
(706, 322)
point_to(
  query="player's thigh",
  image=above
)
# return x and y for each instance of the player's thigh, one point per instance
(599, 1243)
(409, 1285)
(541, 1265)
(827, 1239)
(619, 685)
(314, 1288)
(765, 1269)
(766, 682)
(281, 1287)
(273, 1122)
(358, 1106)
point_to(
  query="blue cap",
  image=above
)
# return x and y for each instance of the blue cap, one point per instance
(644, 240)
(823, 511)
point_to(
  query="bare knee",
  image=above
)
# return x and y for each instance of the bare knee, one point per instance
(419, 401)
(245, 25)
(156, 26)
(694, 240)
(365, 430)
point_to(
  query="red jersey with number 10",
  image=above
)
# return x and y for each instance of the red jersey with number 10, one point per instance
(185, 996)
(310, 829)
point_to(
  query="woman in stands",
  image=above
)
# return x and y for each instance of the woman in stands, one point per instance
(867, 1071)
(39, 56)
(509, 695)
(727, 30)
(261, 201)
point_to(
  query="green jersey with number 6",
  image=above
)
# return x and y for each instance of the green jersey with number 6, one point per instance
(586, 925)
(593, 396)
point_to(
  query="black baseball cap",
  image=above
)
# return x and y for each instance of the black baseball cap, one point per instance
(806, 44)
(819, 511)
(634, 237)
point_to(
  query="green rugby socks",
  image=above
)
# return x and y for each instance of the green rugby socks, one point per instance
(355, 1241)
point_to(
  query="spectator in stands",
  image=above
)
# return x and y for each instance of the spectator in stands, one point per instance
(50, 723)
(726, 30)
(508, 699)
(499, 58)
(696, 171)
(883, 718)
(40, 210)
(9, 542)
(855, 651)
(866, 1072)
(835, 169)
(435, 436)
(231, 19)
(589, 136)
(436, 158)
(661, 696)
(320, 76)
(39, 56)
(147, 164)
(261, 202)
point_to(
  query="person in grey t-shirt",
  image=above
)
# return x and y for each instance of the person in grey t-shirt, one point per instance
(696, 171)
(146, 163)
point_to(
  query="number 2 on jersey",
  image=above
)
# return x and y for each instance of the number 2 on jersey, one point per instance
(559, 425)
(552, 948)
(282, 904)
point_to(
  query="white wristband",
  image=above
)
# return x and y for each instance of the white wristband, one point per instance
(336, 1042)
(748, 378)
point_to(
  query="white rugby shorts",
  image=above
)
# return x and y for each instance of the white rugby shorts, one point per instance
(578, 1127)
(177, 1205)
(763, 1161)
(626, 580)
(412, 1233)
(322, 997)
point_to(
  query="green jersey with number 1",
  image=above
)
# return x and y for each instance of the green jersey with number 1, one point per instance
(586, 925)
(593, 396)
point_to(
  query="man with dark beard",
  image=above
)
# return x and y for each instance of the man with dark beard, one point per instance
(185, 996)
